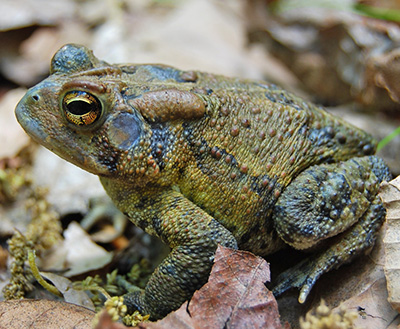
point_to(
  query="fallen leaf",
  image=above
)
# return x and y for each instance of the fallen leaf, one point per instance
(180, 319)
(387, 68)
(390, 195)
(43, 314)
(105, 322)
(78, 253)
(234, 297)
(373, 308)
(94, 257)
(71, 295)
(361, 287)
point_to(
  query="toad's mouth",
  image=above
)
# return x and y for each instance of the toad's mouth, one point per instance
(55, 139)
(29, 124)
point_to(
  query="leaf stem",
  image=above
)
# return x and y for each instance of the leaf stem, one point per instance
(38, 277)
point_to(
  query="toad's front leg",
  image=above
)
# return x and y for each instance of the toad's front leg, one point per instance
(334, 207)
(193, 237)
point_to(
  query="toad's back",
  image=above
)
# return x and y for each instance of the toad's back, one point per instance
(253, 141)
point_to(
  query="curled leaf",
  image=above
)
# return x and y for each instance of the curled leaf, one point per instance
(390, 195)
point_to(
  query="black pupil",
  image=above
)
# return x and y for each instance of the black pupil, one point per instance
(81, 107)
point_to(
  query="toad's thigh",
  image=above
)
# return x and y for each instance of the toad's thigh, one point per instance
(327, 199)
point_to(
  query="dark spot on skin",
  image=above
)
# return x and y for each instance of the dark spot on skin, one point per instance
(271, 86)
(307, 230)
(109, 157)
(161, 143)
(380, 169)
(303, 130)
(157, 226)
(277, 96)
(142, 202)
(285, 100)
(175, 202)
(199, 148)
(270, 97)
(323, 136)
(166, 73)
(142, 223)
(259, 185)
(169, 270)
(268, 199)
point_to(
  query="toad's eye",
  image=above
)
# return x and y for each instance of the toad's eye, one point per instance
(81, 108)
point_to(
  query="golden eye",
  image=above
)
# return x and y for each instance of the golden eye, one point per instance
(81, 108)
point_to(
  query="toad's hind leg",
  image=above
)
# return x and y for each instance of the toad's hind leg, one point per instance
(335, 203)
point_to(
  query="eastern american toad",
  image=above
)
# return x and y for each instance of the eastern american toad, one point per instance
(198, 160)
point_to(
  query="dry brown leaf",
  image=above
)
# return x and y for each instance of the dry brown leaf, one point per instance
(234, 297)
(105, 322)
(390, 195)
(180, 319)
(387, 71)
(44, 314)
(361, 287)
(373, 308)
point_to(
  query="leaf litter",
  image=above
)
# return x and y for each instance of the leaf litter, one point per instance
(220, 40)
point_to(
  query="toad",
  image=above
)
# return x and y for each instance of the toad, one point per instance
(199, 159)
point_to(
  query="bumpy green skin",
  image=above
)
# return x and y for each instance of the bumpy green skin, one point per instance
(200, 160)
